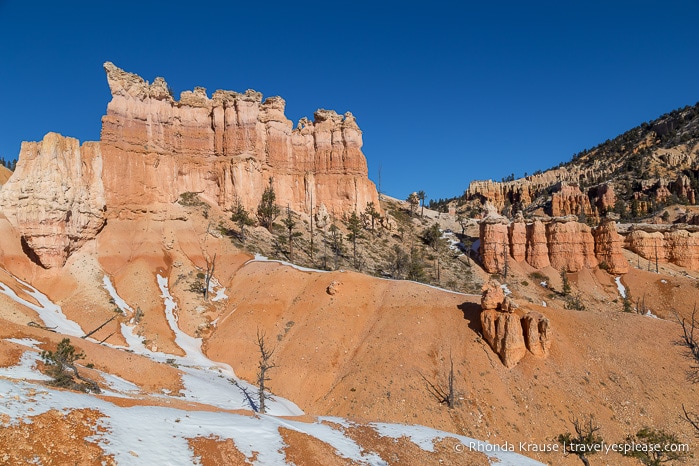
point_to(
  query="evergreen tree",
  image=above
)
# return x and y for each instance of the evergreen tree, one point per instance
(414, 201)
(241, 217)
(267, 209)
(354, 225)
(289, 223)
(421, 195)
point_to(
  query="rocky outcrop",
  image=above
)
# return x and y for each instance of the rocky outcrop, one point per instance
(608, 247)
(55, 198)
(678, 246)
(517, 232)
(562, 243)
(509, 331)
(537, 333)
(571, 245)
(569, 200)
(537, 247)
(223, 147)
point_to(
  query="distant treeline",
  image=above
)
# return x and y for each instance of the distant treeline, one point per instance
(9, 164)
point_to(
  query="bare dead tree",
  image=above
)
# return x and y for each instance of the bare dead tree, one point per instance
(444, 394)
(98, 328)
(584, 442)
(692, 418)
(690, 340)
(210, 266)
(263, 366)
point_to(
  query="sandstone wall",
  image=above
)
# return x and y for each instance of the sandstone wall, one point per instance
(668, 244)
(229, 145)
(562, 243)
(55, 199)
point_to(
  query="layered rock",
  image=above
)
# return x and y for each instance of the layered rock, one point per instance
(509, 333)
(223, 147)
(569, 200)
(537, 254)
(571, 245)
(517, 233)
(537, 333)
(562, 243)
(679, 246)
(56, 198)
(608, 247)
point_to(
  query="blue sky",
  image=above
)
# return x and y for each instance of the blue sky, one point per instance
(445, 92)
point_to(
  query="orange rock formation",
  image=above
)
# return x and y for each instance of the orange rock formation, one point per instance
(153, 149)
(675, 245)
(509, 331)
(562, 243)
(229, 145)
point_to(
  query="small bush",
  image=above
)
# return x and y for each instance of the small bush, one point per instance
(538, 276)
(525, 283)
(574, 302)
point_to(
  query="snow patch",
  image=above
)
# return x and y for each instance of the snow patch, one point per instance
(118, 301)
(146, 435)
(620, 287)
(424, 437)
(25, 369)
(505, 289)
(261, 258)
(28, 342)
(220, 293)
(50, 313)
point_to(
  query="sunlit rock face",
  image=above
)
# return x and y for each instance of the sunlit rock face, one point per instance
(55, 198)
(223, 147)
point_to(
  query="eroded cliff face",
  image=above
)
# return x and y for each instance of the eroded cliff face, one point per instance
(223, 147)
(569, 200)
(153, 149)
(678, 246)
(562, 243)
(55, 199)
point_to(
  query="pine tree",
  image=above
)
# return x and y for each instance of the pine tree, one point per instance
(268, 210)
(241, 217)
(421, 195)
(354, 225)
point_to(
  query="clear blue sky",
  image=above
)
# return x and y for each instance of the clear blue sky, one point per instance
(445, 92)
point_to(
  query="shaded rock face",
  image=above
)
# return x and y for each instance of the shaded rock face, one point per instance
(562, 243)
(55, 199)
(229, 145)
(508, 333)
(677, 246)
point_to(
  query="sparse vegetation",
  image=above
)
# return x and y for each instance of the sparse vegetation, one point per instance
(60, 366)
(264, 365)
(443, 392)
(584, 442)
(666, 447)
